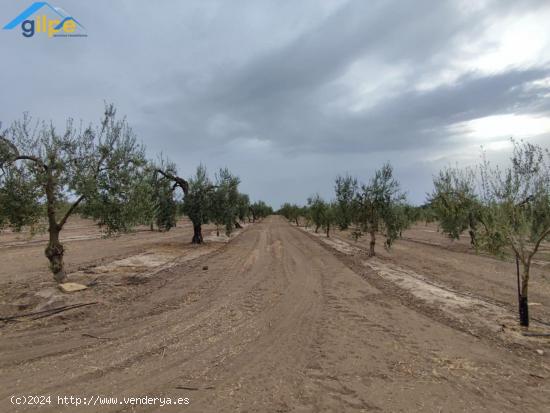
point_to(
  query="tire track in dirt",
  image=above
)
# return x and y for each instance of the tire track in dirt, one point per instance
(425, 358)
(276, 324)
(475, 314)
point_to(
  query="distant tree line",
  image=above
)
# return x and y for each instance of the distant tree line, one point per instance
(374, 208)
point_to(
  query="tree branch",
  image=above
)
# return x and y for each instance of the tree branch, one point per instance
(10, 144)
(539, 241)
(18, 157)
(33, 159)
(182, 183)
(525, 201)
(70, 211)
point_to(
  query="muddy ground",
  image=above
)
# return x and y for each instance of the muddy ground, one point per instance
(277, 319)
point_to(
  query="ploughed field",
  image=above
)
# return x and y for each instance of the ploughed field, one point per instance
(274, 319)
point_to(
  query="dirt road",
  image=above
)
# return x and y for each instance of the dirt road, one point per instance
(276, 323)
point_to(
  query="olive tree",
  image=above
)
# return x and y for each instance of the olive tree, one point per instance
(156, 202)
(516, 200)
(19, 200)
(197, 204)
(291, 212)
(225, 200)
(284, 210)
(166, 207)
(42, 169)
(426, 213)
(345, 188)
(316, 206)
(259, 210)
(295, 213)
(455, 203)
(330, 216)
(146, 192)
(243, 208)
(379, 207)
(162, 198)
(305, 213)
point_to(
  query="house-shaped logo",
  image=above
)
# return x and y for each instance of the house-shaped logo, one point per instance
(43, 18)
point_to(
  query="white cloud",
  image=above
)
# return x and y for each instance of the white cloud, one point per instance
(504, 126)
(513, 41)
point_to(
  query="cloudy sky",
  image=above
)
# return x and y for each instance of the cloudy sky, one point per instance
(290, 93)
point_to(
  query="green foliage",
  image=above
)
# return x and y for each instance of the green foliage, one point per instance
(285, 209)
(455, 203)
(260, 209)
(225, 201)
(517, 202)
(108, 174)
(512, 205)
(97, 167)
(166, 207)
(198, 201)
(19, 199)
(101, 172)
(146, 206)
(317, 209)
(409, 215)
(306, 214)
(413, 213)
(345, 188)
(243, 207)
(162, 207)
(426, 213)
(380, 207)
(330, 216)
(292, 212)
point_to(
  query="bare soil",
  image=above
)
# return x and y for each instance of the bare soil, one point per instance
(426, 253)
(276, 320)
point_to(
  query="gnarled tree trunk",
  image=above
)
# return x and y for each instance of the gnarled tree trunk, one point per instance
(54, 252)
(197, 234)
(372, 243)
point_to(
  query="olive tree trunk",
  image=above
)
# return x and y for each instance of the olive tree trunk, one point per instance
(523, 297)
(197, 234)
(54, 253)
(372, 243)
(472, 230)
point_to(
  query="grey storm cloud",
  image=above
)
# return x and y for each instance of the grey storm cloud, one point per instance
(287, 94)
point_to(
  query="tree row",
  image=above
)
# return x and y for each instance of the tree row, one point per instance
(102, 172)
(505, 210)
